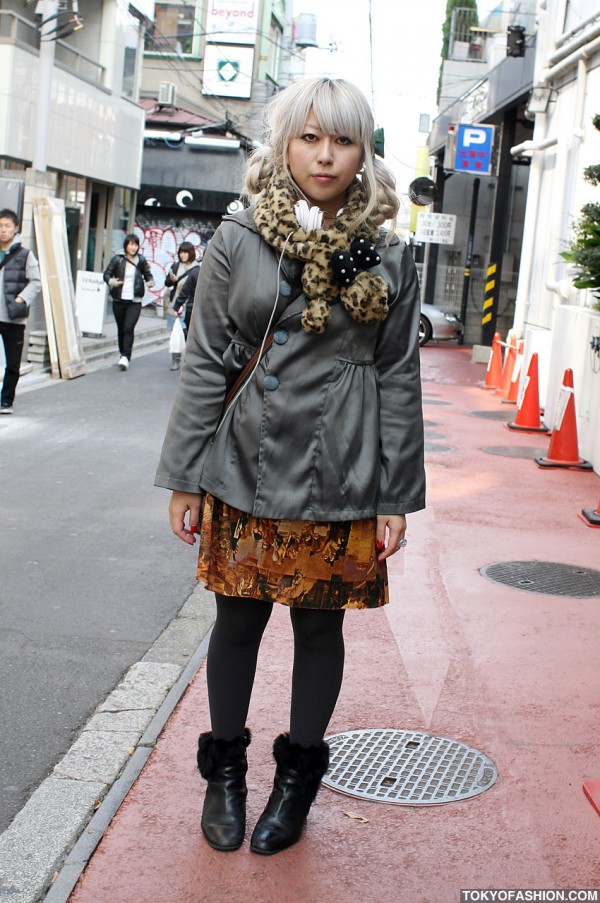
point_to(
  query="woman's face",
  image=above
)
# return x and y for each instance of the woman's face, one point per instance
(184, 256)
(323, 166)
(131, 248)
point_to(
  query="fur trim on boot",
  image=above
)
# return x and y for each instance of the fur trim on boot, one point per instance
(223, 763)
(297, 781)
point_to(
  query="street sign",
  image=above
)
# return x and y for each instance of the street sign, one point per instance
(436, 228)
(470, 148)
(90, 302)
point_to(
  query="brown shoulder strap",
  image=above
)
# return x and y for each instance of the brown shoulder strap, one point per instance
(258, 355)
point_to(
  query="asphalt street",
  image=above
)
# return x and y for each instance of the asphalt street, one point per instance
(90, 572)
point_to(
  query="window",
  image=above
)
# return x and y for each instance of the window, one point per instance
(130, 28)
(577, 12)
(176, 29)
(275, 42)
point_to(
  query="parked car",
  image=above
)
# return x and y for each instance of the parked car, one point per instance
(438, 325)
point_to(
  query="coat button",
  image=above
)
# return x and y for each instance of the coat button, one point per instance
(271, 382)
(285, 288)
(280, 336)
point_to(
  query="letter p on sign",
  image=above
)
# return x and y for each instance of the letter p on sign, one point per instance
(474, 136)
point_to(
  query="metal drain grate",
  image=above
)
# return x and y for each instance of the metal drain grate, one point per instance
(406, 767)
(489, 415)
(546, 577)
(514, 451)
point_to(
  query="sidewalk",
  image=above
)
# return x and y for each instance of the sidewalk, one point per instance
(150, 335)
(511, 673)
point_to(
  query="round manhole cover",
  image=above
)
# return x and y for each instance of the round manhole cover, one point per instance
(545, 577)
(406, 767)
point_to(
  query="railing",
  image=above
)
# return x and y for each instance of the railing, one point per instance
(14, 29)
(467, 41)
(78, 62)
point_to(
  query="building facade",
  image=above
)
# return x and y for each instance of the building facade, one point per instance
(545, 101)
(557, 320)
(209, 68)
(489, 205)
(72, 126)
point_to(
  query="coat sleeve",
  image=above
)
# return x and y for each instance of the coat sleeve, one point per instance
(201, 389)
(146, 271)
(402, 486)
(187, 292)
(110, 271)
(32, 274)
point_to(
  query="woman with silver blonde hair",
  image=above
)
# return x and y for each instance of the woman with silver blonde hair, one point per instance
(340, 108)
(295, 446)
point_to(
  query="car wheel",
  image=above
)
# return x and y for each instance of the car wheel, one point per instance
(424, 330)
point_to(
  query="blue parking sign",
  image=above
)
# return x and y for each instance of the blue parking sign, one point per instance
(474, 146)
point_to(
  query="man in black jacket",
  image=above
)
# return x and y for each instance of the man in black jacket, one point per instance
(19, 286)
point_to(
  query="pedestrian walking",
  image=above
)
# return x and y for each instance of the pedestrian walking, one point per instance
(127, 276)
(178, 275)
(19, 287)
(185, 302)
(307, 318)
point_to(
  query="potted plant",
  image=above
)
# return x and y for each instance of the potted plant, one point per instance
(584, 249)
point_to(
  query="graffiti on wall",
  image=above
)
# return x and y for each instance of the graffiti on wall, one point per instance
(159, 240)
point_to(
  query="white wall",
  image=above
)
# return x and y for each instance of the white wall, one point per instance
(554, 317)
(91, 133)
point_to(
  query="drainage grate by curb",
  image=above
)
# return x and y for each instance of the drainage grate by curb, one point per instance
(434, 447)
(406, 767)
(545, 577)
(489, 415)
(514, 451)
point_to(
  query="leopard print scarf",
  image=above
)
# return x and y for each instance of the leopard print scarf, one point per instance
(365, 298)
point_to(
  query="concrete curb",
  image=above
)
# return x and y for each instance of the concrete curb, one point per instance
(50, 841)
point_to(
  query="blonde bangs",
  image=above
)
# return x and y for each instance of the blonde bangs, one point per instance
(339, 107)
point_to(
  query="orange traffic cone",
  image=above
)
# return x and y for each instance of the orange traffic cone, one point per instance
(507, 369)
(592, 791)
(513, 389)
(564, 449)
(494, 367)
(590, 517)
(528, 411)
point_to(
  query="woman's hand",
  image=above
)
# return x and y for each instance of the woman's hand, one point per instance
(180, 504)
(395, 527)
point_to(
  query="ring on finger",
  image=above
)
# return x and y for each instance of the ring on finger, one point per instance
(402, 543)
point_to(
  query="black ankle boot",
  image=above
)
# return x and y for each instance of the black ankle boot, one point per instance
(224, 765)
(297, 780)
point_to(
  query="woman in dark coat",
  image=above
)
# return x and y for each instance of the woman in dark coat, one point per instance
(299, 486)
(127, 275)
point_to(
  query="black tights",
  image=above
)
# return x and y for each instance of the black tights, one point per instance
(231, 666)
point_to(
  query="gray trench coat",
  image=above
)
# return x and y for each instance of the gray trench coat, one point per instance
(330, 426)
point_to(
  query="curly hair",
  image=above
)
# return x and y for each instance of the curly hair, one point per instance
(341, 109)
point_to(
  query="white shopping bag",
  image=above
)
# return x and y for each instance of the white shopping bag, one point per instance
(177, 340)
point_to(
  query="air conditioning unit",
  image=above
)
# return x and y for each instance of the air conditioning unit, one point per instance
(166, 94)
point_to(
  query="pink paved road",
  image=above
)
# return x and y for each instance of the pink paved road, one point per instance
(512, 673)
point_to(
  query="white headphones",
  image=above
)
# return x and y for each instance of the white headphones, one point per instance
(264, 339)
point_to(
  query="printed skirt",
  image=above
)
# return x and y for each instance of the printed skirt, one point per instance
(302, 564)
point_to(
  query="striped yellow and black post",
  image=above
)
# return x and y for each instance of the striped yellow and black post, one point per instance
(490, 293)
(490, 303)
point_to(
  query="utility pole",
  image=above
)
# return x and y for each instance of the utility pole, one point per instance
(491, 301)
(469, 256)
(48, 10)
